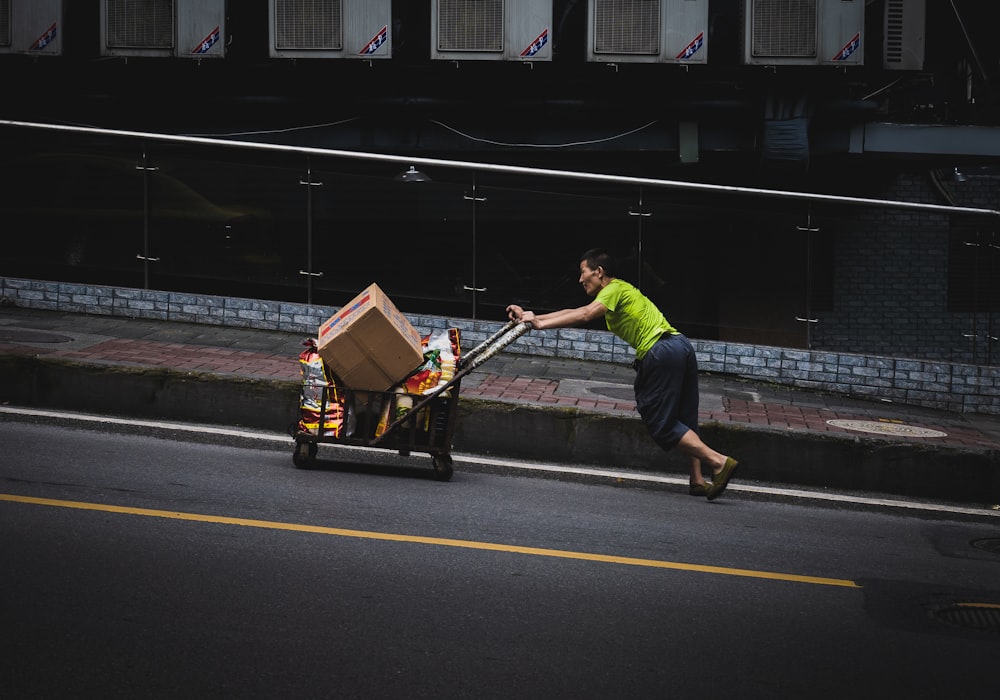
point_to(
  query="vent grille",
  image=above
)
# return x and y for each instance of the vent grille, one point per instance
(784, 28)
(470, 25)
(903, 39)
(145, 24)
(894, 31)
(309, 24)
(627, 26)
(4, 22)
(984, 617)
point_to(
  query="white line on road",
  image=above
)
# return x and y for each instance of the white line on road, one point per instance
(620, 476)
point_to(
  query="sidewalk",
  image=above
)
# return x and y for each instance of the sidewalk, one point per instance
(573, 411)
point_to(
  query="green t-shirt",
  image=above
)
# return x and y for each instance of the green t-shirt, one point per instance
(632, 316)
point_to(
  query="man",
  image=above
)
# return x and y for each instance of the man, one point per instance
(666, 381)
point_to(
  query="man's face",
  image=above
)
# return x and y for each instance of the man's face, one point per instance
(590, 279)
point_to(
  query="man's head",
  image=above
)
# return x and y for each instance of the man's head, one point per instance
(598, 257)
(596, 270)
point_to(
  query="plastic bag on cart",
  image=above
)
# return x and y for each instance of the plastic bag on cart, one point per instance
(314, 383)
(441, 352)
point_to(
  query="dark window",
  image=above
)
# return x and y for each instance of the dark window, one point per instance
(821, 271)
(973, 267)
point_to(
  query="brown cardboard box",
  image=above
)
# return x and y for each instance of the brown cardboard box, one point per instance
(369, 344)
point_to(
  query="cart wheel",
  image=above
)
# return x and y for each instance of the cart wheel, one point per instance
(442, 467)
(304, 456)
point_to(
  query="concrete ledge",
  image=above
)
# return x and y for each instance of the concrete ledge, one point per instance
(147, 393)
(776, 456)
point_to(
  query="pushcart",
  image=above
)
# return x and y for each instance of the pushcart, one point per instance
(426, 425)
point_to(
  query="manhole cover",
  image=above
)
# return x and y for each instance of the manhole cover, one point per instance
(886, 428)
(17, 335)
(979, 616)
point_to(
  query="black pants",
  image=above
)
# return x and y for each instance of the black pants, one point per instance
(666, 390)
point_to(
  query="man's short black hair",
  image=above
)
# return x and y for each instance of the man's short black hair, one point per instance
(598, 257)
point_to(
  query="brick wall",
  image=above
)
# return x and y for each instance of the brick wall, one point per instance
(891, 276)
(951, 386)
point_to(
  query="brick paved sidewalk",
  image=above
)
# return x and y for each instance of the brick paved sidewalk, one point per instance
(594, 387)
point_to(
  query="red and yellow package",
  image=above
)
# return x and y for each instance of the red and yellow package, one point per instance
(314, 383)
(441, 352)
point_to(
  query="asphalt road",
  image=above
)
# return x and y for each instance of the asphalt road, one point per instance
(138, 564)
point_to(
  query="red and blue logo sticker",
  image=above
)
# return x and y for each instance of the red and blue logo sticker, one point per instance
(45, 39)
(376, 42)
(534, 47)
(208, 42)
(849, 48)
(692, 48)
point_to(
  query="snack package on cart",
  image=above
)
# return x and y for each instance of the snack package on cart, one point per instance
(441, 353)
(314, 383)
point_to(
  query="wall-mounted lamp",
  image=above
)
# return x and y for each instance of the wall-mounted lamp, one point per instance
(958, 176)
(412, 175)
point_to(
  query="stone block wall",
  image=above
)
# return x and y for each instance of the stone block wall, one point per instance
(944, 385)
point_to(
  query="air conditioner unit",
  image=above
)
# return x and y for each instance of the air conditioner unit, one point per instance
(181, 28)
(803, 32)
(491, 30)
(330, 28)
(31, 26)
(903, 43)
(648, 31)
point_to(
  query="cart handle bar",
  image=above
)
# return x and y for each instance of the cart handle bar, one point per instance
(494, 344)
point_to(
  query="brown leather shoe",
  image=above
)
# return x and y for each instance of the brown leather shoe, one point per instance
(698, 489)
(721, 480)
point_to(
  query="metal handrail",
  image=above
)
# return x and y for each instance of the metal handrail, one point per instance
(498, 168)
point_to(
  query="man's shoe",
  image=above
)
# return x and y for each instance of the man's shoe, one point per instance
(721, 480)
(698, 489)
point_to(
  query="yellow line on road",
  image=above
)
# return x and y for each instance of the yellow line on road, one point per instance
(440, 541)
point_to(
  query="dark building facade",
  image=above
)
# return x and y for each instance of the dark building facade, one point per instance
(879, 100)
